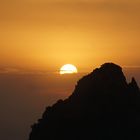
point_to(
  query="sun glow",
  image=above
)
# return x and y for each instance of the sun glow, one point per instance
(68, 69)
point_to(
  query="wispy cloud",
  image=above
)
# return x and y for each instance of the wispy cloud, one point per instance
(11, 70)
(8, 70)
(134, 66)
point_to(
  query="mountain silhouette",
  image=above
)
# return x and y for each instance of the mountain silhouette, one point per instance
(102, 106)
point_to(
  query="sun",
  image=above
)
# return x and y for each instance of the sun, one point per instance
(68, 69)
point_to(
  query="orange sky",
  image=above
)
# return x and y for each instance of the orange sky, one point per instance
(45, 34)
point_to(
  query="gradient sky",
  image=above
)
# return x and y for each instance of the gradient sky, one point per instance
(38, 36)
(45, 34)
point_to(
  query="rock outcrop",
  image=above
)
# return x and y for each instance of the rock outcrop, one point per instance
(102, 106)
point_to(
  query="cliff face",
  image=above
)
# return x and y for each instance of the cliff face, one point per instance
(102, 106)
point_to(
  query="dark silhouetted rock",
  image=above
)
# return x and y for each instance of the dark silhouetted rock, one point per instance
(102, 106)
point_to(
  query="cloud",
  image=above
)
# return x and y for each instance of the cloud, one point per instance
(12, 70)
(134, 66)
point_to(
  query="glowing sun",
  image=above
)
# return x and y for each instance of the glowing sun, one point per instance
(68, 69)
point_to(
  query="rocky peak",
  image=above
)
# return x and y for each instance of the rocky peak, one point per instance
(109, 77)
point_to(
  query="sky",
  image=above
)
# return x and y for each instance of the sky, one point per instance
(47, 34)
(37, 37)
